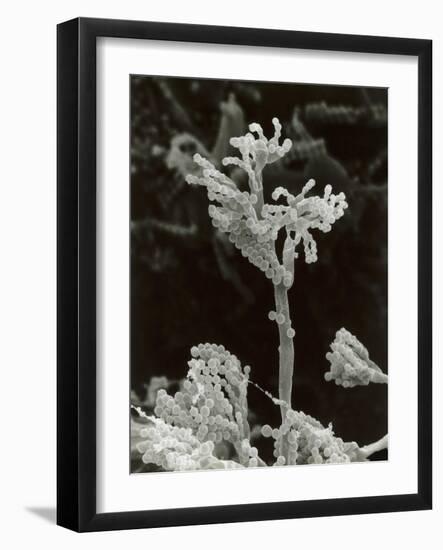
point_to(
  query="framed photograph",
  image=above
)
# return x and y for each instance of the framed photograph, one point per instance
(244, 274)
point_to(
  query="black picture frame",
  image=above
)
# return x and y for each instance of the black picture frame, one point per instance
(76, 273)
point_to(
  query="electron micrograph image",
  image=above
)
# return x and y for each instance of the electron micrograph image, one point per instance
(259, 264)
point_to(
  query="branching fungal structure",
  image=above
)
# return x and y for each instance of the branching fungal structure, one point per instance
(188, 429)
(350, 363)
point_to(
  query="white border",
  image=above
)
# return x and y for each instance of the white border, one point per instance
(116, 489)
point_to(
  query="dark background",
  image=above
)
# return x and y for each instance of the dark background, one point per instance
(186, 289)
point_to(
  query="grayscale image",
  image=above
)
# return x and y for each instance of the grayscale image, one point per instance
(258, 274)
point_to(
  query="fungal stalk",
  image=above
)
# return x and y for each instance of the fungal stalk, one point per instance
(253, 226)
(286, 346)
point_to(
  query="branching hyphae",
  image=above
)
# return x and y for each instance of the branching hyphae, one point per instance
(190, 429)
